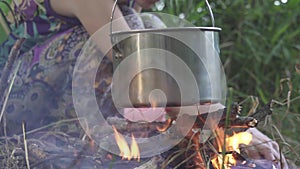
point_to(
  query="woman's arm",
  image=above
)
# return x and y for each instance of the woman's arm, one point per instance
(93, 14)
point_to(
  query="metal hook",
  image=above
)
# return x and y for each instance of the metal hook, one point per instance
(111, 19)
(211, 13)
(115, 5)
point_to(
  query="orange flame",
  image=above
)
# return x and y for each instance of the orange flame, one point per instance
(135, 152)
(165, 126)
(231, 144)
(125, 152)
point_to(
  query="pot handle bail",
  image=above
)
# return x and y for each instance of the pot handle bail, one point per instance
(111, 19)
(210, 13)
(115, 5)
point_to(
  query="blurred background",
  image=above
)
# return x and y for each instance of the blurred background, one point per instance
(260, 52)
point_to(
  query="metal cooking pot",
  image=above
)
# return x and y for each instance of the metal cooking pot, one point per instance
(167, 67)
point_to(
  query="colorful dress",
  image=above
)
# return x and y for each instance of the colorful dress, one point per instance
(42, 90)
(34, 20)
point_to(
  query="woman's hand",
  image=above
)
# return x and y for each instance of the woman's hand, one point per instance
(262, 147)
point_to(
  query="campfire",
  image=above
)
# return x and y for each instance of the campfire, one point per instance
(226, 151)
(228, 148)
(221, 150)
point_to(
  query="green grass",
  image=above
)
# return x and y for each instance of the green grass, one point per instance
(259, 49)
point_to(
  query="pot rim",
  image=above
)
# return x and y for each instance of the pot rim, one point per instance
(214, 29)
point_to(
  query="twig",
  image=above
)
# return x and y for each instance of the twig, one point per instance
(9, 90)
(262, 113)
(51, 125)
(5, 134)
(172, 158)
(285, 103)
(9, 64)
(278, 132)
(70, 155)
(255, 103)
(191, 139)
(152, 164)
(25, 146)
(186, 160)
(86, 128)
(297, 68)
(41, 128)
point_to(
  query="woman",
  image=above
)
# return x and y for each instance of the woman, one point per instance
(54, 36)
(54, 32)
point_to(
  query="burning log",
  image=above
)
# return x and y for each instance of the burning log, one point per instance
(241, 122)
(262, 113)
(237, 121)
(123, 125)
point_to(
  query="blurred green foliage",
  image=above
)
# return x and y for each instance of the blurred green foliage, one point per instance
(259, 40)
(260, 48)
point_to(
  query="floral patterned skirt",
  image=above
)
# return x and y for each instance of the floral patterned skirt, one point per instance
(42, 91)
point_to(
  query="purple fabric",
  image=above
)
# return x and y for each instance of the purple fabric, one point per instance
(37, 50)
(29, 11)
(36, 23)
